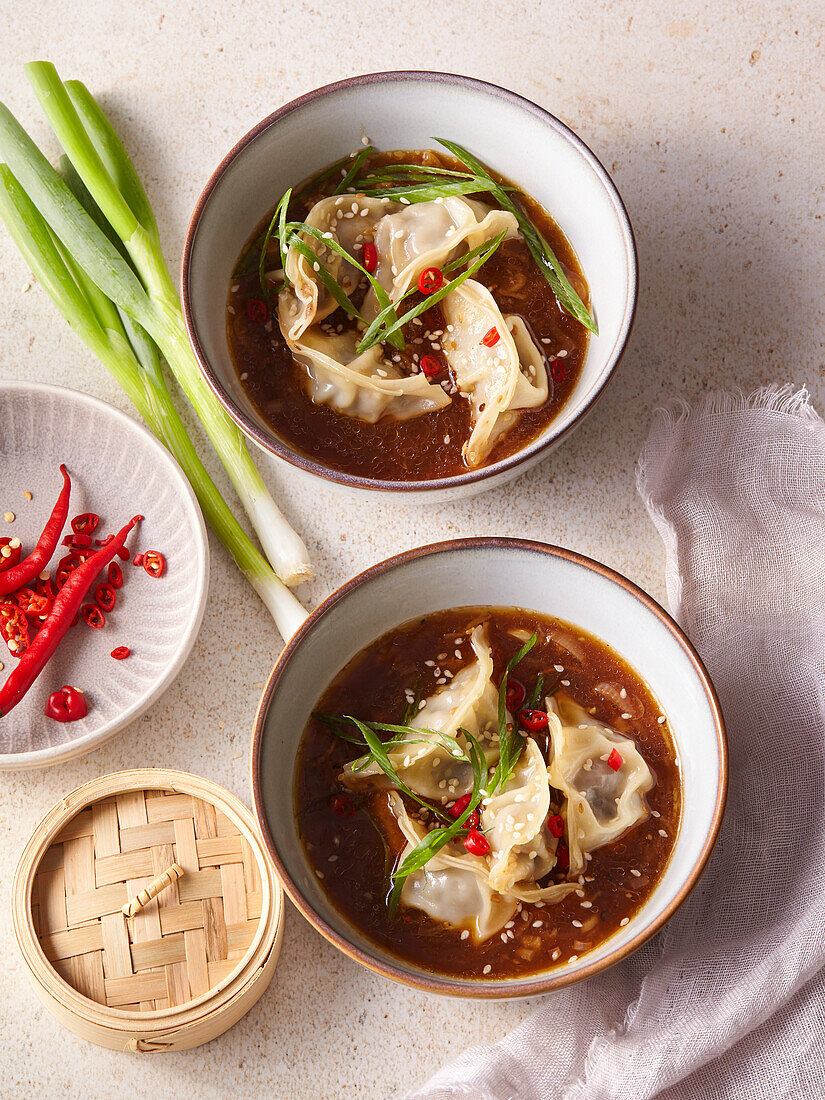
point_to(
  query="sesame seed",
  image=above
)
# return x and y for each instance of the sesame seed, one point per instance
(576, 923)
(662, 832)
(624, 921)
(556, 954)
(661, 719)
(655, 813)
(637, 874)
(625, 716)
(320, 874)
(465, 935)
(537, 924)
(573, 958)
(587, 905)
(566, 683)
(487, 969)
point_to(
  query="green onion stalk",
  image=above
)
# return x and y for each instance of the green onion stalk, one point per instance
(124, 317)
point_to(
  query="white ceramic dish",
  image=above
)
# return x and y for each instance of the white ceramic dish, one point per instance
(498, 572)
(118, 469)
(404, 110)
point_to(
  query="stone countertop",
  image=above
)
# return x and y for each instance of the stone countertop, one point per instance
(711, 127)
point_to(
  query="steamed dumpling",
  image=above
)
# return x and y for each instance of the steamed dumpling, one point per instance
(498, 380)
(347, 219)
(365, 386)
(469, 701)
(601, 803)
(428, 234)
(514, 823)
(452, 888)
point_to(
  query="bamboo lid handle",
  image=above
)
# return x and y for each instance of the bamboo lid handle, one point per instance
(170, 875)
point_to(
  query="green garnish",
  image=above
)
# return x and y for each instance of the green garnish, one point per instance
(510, 742)
(375, 333)
(428, 192)
(535, 694)
(435, 840)
(355, 168)
(540, 250)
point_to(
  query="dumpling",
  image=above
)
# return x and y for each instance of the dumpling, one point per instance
(601, 803)
(469, 701)
(427, 234)
(307, 301)
(499, 380)
(450, 888)
(514, 823)
(365, 386)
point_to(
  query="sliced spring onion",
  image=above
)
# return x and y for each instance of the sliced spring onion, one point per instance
(540, 250)
(355, 168)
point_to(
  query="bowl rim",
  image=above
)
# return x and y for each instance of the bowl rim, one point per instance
(269, 440)
(479, 989)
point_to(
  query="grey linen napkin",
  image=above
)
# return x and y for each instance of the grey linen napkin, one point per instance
(727, 1002)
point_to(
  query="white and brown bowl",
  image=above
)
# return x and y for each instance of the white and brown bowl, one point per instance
(496, 572)
(402, 110)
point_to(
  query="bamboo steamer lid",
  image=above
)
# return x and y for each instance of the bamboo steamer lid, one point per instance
(183, 858)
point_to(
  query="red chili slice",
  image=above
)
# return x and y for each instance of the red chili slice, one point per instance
(533, 720)
(65, 567)
(342, 805)
(154, 563)
(615, 760)
(562, 858)
(459, 806)
(257, 310)
(515, 694)
(121, 652)
(10, 551)
(476, 843)
(430, 280)
(430, 366)
(370, 260)
(115, 575)
(44, 586)
(104, 542)
(556, 825)
(105, 597)
(67, 705)
(491, 337)
(558, 371)
(86, 523)
(14, 627)
(138, 559)
(32, 603)
(123, 554)
(93, 616)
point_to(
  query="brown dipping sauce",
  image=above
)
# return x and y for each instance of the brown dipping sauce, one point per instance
(353, 855)
(429, 446)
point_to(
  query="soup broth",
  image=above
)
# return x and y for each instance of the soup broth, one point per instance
(352, 837)
(422, 447)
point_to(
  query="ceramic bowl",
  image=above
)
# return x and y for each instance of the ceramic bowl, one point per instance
(497, 572)
(403, 110)
(118, 469)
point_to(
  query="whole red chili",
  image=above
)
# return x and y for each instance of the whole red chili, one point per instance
(10, 551)
(515, 694)
(26, 570)
(85, 523)
(558, 371)
(491, 337)
(67, 705)
(556, 825)
(14, 627)
(342, 805)
(66, 604)
(370, 260)
(533, 720)
(430, 280)
(257, 310)
(154, 563)
(31, 602)
(115, 575)
(615, 760)
(105, 597)
(92, 616)
(121, 652)
(562, 858)
(476, 843)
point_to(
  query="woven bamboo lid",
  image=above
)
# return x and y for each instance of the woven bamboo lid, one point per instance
(147, 911)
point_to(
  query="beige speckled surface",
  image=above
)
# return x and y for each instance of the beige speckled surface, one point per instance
(711, 126)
